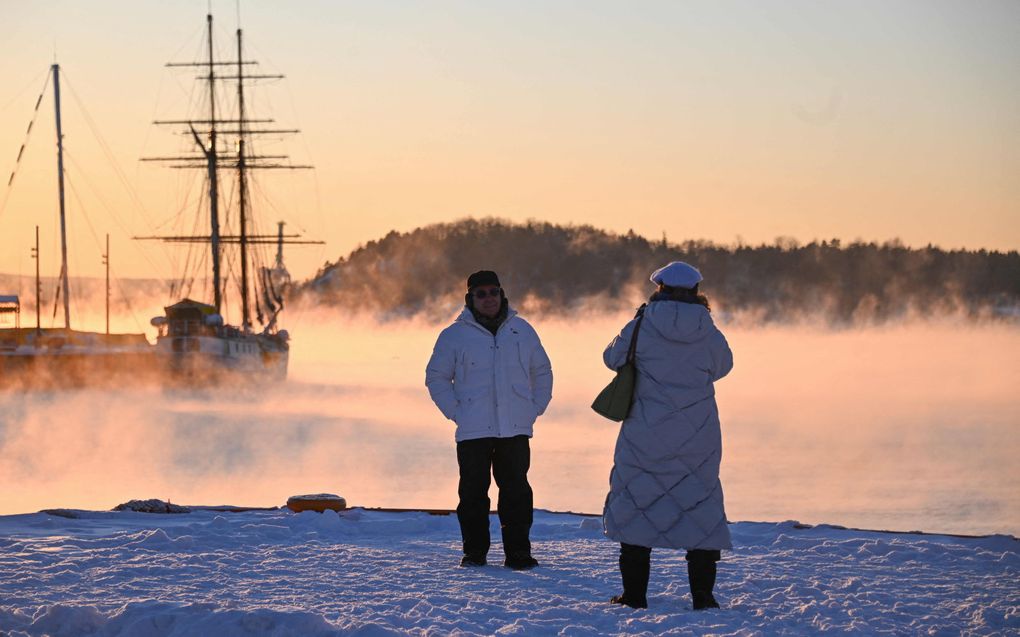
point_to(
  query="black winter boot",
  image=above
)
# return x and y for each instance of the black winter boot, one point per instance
(635, 562)
(701, 575)
(473, 559)
(520, 561)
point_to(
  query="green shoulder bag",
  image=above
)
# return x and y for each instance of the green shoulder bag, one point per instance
(614, 401)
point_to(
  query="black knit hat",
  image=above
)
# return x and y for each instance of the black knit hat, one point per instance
(482, 277)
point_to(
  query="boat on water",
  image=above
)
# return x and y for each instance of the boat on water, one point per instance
(62, 357)
(194, 343)
(58, 358)
(194, 346)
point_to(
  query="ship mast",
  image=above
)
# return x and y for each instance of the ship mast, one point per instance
(210, 154)
(279, 246)
(242, 183)
(106, 262)
(60, 181)
(38, 288)
(210, 160)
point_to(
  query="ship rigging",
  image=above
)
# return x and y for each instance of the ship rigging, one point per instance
(193, 334)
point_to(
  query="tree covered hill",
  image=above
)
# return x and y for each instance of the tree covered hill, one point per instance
(562, 269)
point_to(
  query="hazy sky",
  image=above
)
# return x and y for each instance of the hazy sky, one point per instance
(716, 120)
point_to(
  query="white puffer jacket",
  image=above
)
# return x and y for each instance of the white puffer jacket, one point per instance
(491, 386)
(664, 487)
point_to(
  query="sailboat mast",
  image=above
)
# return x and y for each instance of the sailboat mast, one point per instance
(60, 181)
(242, 182)
(214, 197)
(279, 245)
(106, 262)
(38, 287)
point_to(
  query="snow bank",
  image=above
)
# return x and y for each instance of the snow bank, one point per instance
(375, 573)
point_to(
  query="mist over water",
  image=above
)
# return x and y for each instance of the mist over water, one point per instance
(904, 427)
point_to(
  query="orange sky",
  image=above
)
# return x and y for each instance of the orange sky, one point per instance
(716, 120)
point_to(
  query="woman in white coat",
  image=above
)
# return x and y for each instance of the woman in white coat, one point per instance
(664, 486)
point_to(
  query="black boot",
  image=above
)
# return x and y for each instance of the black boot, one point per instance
(701, 575)
(520, 561)
(635, 562)
(473, 559)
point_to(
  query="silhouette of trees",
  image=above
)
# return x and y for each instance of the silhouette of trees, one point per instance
(562, 269)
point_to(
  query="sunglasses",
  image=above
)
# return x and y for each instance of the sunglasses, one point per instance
(481, 294)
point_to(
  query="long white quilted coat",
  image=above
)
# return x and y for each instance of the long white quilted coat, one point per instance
(491, 386)
(664, 487)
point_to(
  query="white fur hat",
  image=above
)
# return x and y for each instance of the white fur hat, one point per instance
(677, 275)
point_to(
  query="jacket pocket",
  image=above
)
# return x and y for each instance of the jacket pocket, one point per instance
(519, 375)
(474, 409)
(524, 356)
(522, 407)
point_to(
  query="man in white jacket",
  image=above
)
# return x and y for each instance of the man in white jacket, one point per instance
(490, 375)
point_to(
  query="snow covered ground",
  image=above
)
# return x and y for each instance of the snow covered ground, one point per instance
(376, 573)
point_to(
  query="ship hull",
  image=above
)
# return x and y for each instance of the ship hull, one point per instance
(56, 359)
(68, 359)
(215, 360)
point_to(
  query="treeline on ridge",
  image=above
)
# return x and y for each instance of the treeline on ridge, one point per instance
(562, 269)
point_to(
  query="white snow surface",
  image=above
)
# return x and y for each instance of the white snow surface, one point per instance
(378, 573)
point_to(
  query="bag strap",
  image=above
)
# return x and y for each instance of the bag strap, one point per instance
(633, 337)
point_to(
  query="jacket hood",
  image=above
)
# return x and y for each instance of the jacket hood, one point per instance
(678, 321)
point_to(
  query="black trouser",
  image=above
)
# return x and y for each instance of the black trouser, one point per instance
(508, 460)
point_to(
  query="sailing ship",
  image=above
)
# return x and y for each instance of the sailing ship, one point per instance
(54, 357)
(194, 342)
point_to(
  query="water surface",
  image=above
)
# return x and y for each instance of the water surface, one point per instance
(910, 427)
